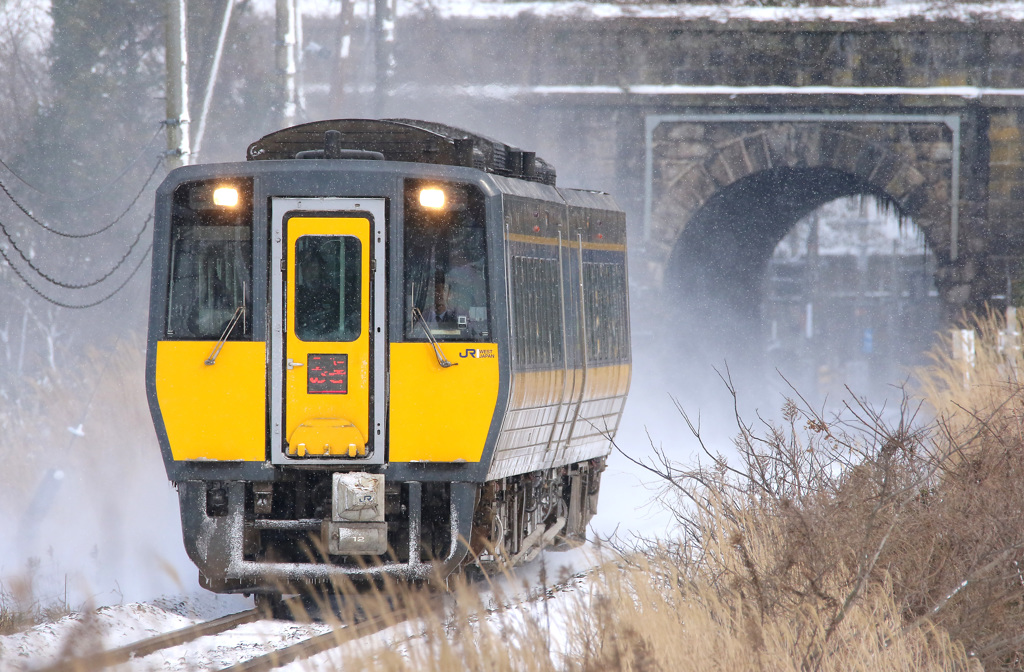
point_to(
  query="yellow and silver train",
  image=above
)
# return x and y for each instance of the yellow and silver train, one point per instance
(383, 347)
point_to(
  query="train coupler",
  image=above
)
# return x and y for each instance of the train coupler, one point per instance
(357, 524)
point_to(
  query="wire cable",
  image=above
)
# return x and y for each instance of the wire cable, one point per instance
(100, 190)
(65, 234)
(71, 285)
(92, 304)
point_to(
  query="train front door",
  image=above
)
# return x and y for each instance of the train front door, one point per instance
(328, 330)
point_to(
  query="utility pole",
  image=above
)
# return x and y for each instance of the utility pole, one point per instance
(813, 323)
(300, 65)
(286, 60)
(384, 55)
(177, 85)
(344, 49)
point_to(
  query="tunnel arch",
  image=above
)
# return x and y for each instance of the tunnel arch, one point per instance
(720, 258)
(726, 194)
(707, 171)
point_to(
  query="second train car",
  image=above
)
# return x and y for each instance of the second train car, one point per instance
(383, 346)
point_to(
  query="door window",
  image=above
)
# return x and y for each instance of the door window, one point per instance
(327, 288)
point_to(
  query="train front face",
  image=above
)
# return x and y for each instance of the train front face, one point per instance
(327, 348)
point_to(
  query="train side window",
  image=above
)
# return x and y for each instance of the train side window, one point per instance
(537, 311)
(445, 264)
(327, 286)
(605, 303)
(210, 264)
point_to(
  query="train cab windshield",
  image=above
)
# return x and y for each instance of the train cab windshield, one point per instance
(211, 262)
(445, 263)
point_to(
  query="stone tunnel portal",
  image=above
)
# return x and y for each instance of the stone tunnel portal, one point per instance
(720, 278)
(724, 190)
(720, 258)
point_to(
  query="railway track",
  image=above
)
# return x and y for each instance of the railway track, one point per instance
(390, 612)
(434, 604)
(362, 626)
(330, 640)
(145, 647)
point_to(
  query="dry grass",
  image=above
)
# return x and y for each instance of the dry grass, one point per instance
(653, 613)
(98, 474)
(20, 609)
(961, 393)
(864, 541)
(104, 394)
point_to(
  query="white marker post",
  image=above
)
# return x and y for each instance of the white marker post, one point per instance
(963, 351)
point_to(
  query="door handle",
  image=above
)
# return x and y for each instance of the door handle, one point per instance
(292, 365)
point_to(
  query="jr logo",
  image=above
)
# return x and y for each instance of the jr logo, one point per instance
(477, 353)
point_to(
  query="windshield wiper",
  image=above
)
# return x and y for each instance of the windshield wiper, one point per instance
(441, 359)
(239, 315)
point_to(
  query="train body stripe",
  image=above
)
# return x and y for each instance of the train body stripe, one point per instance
(538, 389)
(540, 240)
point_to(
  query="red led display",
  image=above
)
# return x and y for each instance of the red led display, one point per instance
(328, 374)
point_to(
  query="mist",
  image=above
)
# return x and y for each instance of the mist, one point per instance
(86, 504)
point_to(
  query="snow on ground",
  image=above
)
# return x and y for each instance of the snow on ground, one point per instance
(80, 633)
(114, 626)
(719, 13)
(513, 604)
(228, 648)
(110, 627)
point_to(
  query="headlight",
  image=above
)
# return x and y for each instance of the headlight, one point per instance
(432, 197)
(225, 196)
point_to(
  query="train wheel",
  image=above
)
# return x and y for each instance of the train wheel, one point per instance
(273, 605)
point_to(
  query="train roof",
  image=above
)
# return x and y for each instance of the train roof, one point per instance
(408, 140)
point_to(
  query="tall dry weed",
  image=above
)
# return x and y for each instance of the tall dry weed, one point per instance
(822, 516)
(651, 613)
(90, 421)
(865, 540)
(962, 392)
(81, 466)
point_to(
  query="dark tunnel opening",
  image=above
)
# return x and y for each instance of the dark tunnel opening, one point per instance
(718, 282)
(720, 259)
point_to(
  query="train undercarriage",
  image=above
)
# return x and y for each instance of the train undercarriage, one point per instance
(519, 516)
(319, 527)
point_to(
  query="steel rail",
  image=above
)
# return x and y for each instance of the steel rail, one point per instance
(308, 648)
(338, 637)
(153, 644)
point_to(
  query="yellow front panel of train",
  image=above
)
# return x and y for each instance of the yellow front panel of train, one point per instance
(213, 412)
(327, 367)
(438, 414)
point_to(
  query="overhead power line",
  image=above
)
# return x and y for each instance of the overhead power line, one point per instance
(99, 191)
(71, 285)
(105, 227)
(72, 306)
(26, 267)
